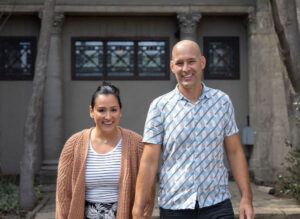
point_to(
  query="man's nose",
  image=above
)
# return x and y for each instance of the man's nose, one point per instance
(186, 66)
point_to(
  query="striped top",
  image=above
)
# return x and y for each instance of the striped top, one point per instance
(102, 175)
(192, 136)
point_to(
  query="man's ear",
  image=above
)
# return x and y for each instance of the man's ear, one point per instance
(203, 62)
(172, 65)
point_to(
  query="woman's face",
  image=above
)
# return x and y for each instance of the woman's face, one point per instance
(106, 112)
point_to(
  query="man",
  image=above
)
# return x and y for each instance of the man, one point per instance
(192, 125)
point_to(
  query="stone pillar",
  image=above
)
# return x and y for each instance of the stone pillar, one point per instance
(53, 105)
(188, 25)
(267, 101)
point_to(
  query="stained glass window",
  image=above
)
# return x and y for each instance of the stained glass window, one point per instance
(222, 58)
(88, 56)
(151, 58)
(17, 58)
(120, 58)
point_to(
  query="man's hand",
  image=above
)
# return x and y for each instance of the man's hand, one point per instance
(239, 169)
(145, 184)
(137, 213)
(246, 209)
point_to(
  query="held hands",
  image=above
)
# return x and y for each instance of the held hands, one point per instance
(137, 213)
(246, 209)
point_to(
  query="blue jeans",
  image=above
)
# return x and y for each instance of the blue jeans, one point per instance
(221, 210)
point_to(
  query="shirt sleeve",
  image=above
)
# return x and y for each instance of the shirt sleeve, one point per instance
(230, 123)
(153, 131)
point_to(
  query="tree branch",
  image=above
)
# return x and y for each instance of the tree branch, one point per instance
(288, 38)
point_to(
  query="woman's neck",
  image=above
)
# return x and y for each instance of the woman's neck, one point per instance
(106, 137)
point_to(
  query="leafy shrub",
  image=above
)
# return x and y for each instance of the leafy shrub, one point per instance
(290, 181)
(9, 193)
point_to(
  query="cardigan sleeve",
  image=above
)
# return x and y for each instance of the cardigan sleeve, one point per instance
(64, 180)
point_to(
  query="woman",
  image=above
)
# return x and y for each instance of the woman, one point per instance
(98, 166)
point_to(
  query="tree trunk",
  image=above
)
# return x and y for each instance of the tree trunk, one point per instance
(34, 109)
(284, 14)
(286, 26)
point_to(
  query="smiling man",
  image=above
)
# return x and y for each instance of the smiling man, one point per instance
(192, 126)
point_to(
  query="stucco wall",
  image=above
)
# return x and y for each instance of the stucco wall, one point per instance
(14, 97)
(135, 95)
(236, 89)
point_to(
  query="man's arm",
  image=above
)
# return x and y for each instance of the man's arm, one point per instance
(146, 178)
(239, 169)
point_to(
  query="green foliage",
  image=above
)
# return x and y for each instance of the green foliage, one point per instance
(9, 193)
(290, 180)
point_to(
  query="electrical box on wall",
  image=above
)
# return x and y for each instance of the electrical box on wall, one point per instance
(248, 136)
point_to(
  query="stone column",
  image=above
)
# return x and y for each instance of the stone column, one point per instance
(267, 101)
(53, 105)
(188, 25)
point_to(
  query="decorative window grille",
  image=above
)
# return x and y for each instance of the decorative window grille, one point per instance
(222, 58)
(17, 58)
(152, 58)
(89, 55)
(120, 58)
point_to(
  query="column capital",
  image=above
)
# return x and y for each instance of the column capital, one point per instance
(251, 22)
(252, 17)
(188, 21)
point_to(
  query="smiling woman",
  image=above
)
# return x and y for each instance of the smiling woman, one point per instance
(102, 162)
(106, 111)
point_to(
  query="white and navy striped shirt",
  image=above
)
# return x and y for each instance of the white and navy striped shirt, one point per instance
(102, 175)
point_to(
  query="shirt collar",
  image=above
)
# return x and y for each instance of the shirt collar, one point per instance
(206, 93)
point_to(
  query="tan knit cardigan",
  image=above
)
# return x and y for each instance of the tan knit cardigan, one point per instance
(70, 191)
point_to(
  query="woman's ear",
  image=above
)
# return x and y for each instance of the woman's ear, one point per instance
(91, 112)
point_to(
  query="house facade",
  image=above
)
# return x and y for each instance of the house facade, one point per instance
(129, 44)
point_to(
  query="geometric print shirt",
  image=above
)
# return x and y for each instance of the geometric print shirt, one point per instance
(192, 137)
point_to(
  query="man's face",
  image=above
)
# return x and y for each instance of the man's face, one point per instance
(187, 65)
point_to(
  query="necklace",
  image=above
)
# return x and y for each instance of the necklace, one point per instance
(114, 137)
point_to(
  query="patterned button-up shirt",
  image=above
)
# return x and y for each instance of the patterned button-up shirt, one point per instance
(192, 137)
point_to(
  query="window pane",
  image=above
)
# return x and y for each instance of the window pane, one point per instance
(151, 58)
(222, 55)
(89, 58)
(17, 57)
(120, 58)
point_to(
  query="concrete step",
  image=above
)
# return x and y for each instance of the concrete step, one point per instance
(54, 168)
(48, 172)
(50, 162)
(46, 177)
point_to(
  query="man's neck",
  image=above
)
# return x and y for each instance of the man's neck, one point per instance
(191, 94)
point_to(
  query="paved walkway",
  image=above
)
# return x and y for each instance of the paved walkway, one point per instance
(265, 206)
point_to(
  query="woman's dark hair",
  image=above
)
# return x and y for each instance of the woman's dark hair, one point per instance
(106, 88)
